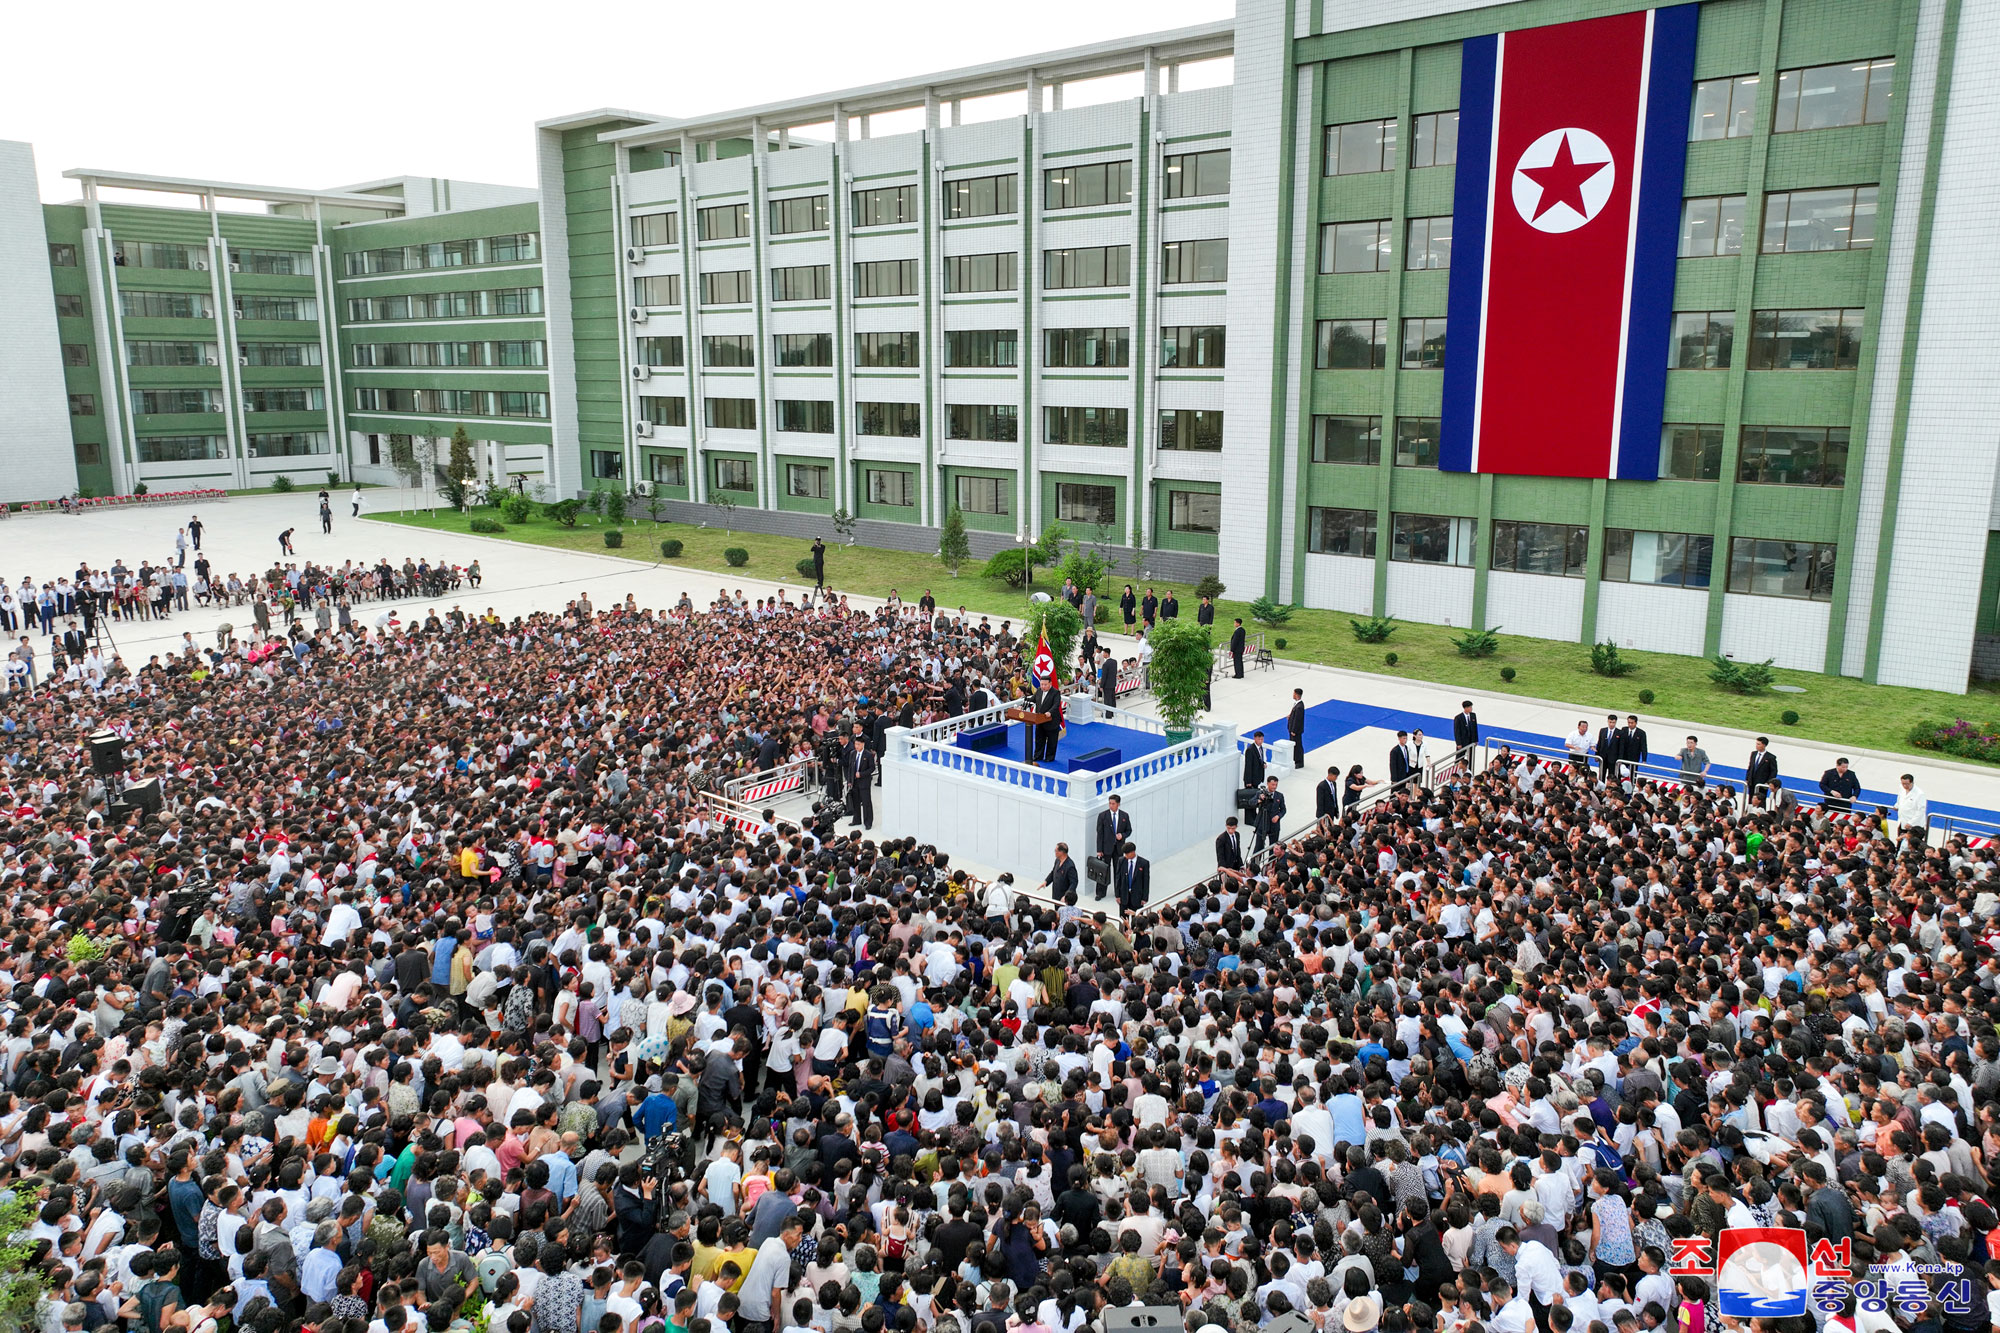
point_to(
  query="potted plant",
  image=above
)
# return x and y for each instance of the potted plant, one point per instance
(1181, 657)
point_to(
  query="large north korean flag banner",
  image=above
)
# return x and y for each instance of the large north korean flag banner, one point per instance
(1566, 219)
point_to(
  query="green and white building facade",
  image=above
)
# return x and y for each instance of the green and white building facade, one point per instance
(1204, 324)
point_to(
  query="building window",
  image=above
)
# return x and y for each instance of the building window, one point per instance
(83, 404)
(724, 222)
(501, 303)
(1690, 452)
(1090, 349)
(665, 350)
(180, 448)
(1806, 339)
(732, 474)
(607, 464)
(1350, 440)
(1712, 226)
(886, 349)
(1196, 431)
(1423, 344)
(1360, 147)
(992, 422)
(980, 196)
(1703, 340)
(805, 416)
(280, 354)
(729, 349)
(889, 487)
(1090, 185)
(661, 289)
(982, 347)
(1431, 539)
(1077, 502)
(1766, 568)
(1540, 548)
(62, 255)
(298, 310)
(807, 213)
(1434, 139)
(1354, 247)
(1724, 108)
(1194, 261)
(1090, 266)
(175, 402)
(886, 277)
(280, 263)
(1827, 96)
(513, 248)
(285, 400)
(802, 349)
(663, 411)
(731, 413)
(1100, 426)
(69, 305)
(1192, 346)
(656, 229)
(666, 469)
(1806, 221)
(806, 481)
(1194, 511)
(727, 288)
(164, 305)
(1429, 245)
(288, 444)
(1341, 532)
(170, 354)
(901, 420)
(885, 206)
(76, 354)
(805, 282)
(1351, 344)
(89, 453)
(1191, 175)
(150, 254)
(1416, 441)
(1793, 455)
(981, 273)
(1668, 559)
(981, 495)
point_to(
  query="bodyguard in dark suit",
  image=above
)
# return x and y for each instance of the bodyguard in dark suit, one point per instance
(1399, 758)
(1326, 796)
(1062, 875)
(1465, 730)
(1253, 761)
(1760, 770)
(1114, 828)
(1229, 848)
(1295, 726)
(1134, 876)
(861, 772)
(1170, 607)
(1610, 746)
(1107, 681)
(1236, 641)
(1636, 752)
(1839, 785)
(1047, 701)
(1205, 613)
(954, 697)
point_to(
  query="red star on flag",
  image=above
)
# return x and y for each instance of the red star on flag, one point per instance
(1562, 181)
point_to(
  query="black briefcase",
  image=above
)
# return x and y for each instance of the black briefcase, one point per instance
(1246, 797)
(1098, 868)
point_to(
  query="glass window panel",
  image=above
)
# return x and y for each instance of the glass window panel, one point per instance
(1194, 511)
(1691, 452)
(733, 474)
(805, 416)
(1352, 344)
(1192, 346)
(1429, 539)
(981, 347)
(980, 196)
(803, 349)
(999, 422)
(1416, 441)
(1192, 174)
(1434, 139)
(1080, 503)
(1781, 568)
(1349, 532)
(1196, 430)
(1423, 344)
(1702, 340)
(1354, 247)
(1360, 147)
(1347, 439)
(982, 495)
(1712, 226)
(1429, 244)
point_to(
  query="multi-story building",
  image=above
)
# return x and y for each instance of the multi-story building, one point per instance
(1208, 325)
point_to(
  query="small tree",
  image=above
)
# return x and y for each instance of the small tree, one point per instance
(1606, 660)
(954, 547)
(1269, 611)
(656, 507)
(460, 469)
(1061, 622)
(843, 524)
(426, 450)
(725, 505)
(403, 458)
(1182, 657)
(614, 506)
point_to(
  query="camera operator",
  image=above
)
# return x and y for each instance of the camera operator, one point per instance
(1267, 815)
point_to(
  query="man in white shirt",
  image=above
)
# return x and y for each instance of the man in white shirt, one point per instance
(1536, 1271)
(1913, 813)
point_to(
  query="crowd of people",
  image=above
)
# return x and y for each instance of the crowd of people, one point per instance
(434, 997)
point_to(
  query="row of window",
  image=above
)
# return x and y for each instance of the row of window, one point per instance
(1702, 340)
(143, 352)
(158, 254)
(196, 305)
(508, 352)
(496, 303)
(1757, 565)
(1182, 429)
(1185, 175)
(1181, 262)
(201, 448)
(1181, 346)
(455, 402)
(180, 402)
(516, 248)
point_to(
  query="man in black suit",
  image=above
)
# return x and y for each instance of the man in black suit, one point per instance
(1229, 851)
(1134, 874)
(1205, 613)
(1295, 726)
(1061, 879)
(1170, 606)
(1270, 814)
(1107, 681)
(1114, 826)
(1326, 796)
(1253, 761)
(954, 697)
(1465, 731)
(1236, 641)
(1636, 752)
(819, 562)
(1399, 758)
(1839, 785)
(1760, 771)
(1048, 702)
(1610, 747)
(861, 773)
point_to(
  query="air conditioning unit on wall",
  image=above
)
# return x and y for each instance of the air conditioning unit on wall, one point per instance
(637, 314)
(642, 488)
(642, 429)
(633, 254)
(642, 373)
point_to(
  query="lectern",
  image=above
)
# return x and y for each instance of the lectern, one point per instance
(1033, 720)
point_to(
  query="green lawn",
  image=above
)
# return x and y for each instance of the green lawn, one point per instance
(1835, 710)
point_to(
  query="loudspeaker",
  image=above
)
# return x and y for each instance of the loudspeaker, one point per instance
(107, 752)
(145, 796)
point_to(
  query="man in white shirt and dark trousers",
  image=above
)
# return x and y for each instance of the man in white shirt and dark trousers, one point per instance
(1913, 813)
(1537, 1275)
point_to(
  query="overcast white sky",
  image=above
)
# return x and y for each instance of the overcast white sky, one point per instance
(307, 95)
